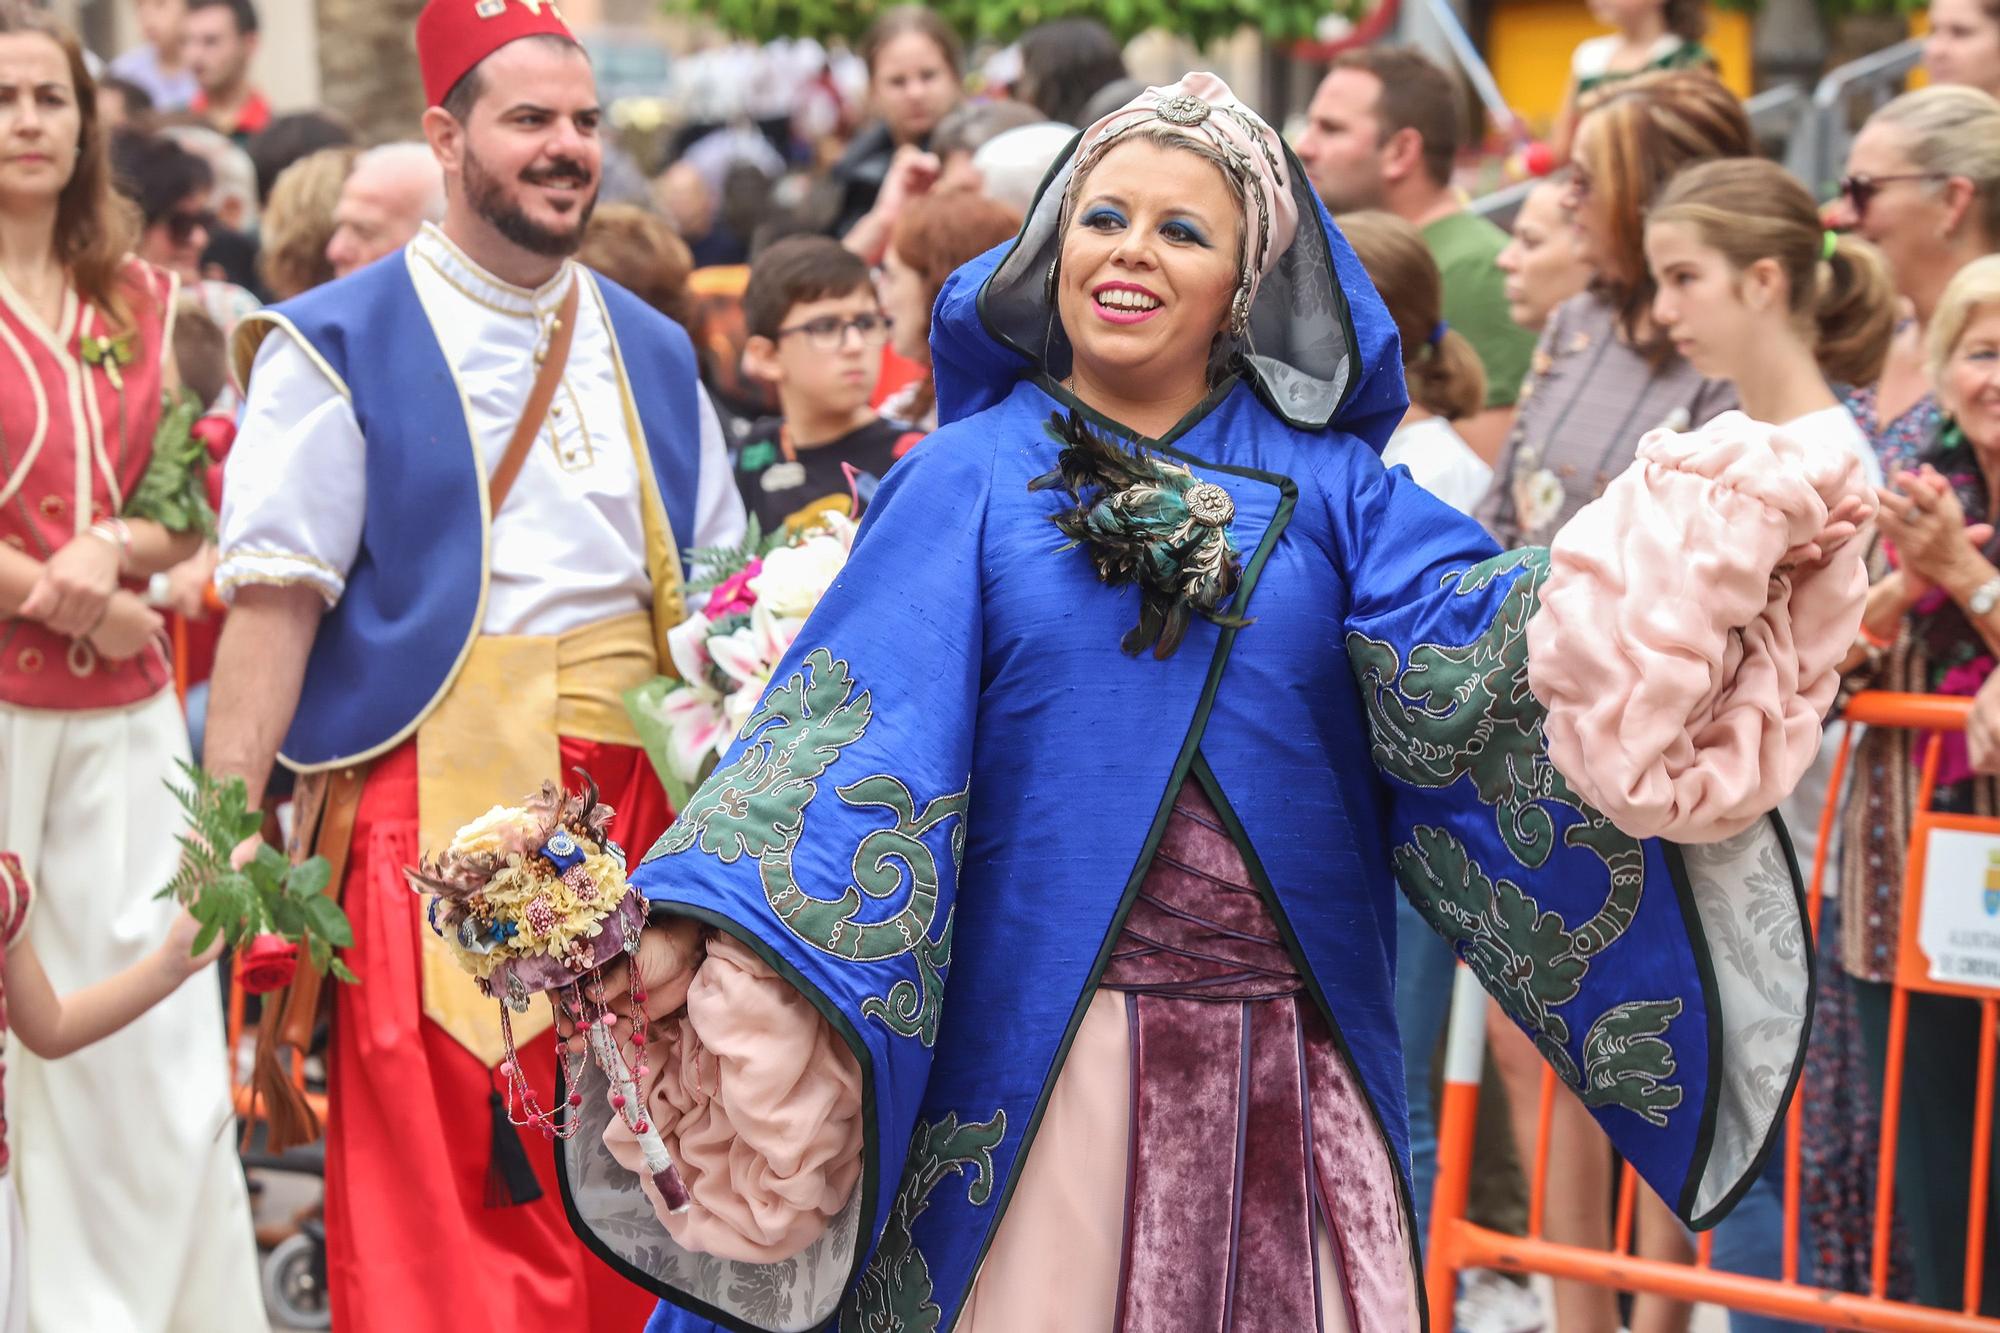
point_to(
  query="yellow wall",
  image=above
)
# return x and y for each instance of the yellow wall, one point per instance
(1529, 43)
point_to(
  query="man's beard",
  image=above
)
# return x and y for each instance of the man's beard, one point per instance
(489, 198)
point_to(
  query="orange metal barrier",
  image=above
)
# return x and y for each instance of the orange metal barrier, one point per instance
(1457, 1244)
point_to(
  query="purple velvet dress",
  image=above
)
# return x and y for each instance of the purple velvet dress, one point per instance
(1248, 1131)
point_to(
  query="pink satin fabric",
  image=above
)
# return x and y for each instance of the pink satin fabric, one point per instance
(1684, 672)
(1257, 1193)
(760, 1103)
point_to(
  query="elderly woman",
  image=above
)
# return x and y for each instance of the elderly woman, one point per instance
(1923, 184)
(1034, 941)
(1932, 626)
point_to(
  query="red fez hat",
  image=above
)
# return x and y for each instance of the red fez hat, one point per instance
(455, 35)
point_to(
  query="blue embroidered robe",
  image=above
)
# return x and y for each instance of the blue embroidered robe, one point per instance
(937, 819)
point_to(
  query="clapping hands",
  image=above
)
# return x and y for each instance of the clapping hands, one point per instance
(1924, 521)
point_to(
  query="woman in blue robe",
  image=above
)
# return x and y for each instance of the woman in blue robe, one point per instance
(1027, 962)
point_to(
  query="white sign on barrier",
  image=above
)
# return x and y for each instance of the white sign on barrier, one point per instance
(1959, 930)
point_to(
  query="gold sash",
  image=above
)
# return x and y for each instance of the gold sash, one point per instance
(496, 737)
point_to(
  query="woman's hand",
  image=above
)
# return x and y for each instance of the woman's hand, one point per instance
(667, 958)
(76, 586)
(125, 628)
(912, 172)
(1927, 526)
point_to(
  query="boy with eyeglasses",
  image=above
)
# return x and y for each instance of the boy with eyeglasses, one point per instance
(816, 335)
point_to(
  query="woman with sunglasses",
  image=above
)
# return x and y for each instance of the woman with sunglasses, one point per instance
(1923, 184)
(100, 489)
(1604, 375)
(172, 188)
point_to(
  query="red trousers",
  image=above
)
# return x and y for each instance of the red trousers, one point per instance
(411, 1245)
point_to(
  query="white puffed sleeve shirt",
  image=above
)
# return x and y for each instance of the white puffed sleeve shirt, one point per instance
(568, 547)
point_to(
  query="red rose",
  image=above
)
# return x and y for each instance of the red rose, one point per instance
(267, 964)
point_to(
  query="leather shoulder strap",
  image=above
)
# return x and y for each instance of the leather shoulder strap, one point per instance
(539, 397)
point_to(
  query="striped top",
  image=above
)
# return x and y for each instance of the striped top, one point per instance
(1589, 397)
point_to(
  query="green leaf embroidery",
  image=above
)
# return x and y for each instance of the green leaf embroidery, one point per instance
(894, 1292)
(755, 807)
(1465, 713)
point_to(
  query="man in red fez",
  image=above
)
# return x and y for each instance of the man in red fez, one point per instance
(414, 631)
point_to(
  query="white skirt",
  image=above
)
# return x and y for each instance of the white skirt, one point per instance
(13, 1262)
(125, 1152)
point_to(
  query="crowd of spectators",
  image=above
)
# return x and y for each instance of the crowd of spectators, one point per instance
(1535, 362)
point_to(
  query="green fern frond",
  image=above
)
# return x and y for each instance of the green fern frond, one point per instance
(710, 565)
(240, 902)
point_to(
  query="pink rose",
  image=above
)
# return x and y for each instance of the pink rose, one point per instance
(733, 596)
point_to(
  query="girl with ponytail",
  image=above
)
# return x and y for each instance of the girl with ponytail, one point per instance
(1446, 380)
(1752, 289)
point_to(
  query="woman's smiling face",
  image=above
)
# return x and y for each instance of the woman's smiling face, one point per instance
(1150, 263)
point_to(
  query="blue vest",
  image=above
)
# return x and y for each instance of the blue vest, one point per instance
(390, 648)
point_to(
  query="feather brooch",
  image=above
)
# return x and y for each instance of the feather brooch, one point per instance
(1147, 521)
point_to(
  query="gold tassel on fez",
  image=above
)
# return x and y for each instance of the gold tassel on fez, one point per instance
(532, 900)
